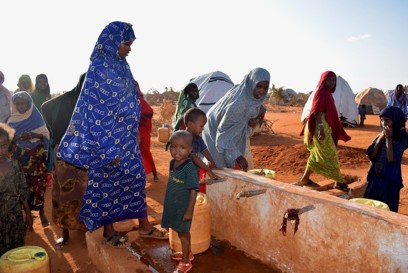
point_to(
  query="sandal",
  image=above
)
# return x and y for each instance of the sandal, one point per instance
(300, 184)
(117, 240)
(45, 223)
(183, 267)
(178, 256)
(155, 234)
(341, 186)
(61, 242)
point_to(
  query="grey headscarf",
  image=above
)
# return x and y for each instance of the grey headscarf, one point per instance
(227, 127)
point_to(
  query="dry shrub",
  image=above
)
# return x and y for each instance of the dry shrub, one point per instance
(166, 112)
(155, 98)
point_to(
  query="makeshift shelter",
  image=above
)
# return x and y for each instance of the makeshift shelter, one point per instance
(286, 96)
(373, 98)
(212, 86)
(345, 104)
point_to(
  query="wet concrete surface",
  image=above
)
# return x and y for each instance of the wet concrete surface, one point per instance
(220, 257)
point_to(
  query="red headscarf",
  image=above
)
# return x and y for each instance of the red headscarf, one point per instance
(323, 102)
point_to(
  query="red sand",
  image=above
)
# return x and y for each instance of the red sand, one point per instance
(282, 151)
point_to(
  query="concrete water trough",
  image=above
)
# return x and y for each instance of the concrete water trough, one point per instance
(247, 211)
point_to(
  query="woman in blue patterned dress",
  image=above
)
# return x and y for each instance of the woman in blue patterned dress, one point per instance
(102, 138)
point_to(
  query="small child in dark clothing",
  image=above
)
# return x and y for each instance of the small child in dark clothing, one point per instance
(362, 112)
(180, 196)
(195, 119)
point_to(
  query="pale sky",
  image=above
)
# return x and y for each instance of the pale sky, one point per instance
(364, 41)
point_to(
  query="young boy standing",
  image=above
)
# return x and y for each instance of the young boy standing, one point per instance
(180, 196)
(195, 119)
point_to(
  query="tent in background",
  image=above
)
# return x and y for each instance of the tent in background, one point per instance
(345, 103)
(212, 87)
(373, 98)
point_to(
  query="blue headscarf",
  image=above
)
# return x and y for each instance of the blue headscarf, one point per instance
(106, 118)
(110, 38)
(398, 121)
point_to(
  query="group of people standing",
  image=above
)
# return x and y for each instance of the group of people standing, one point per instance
(111, 163)
(96, 140)
(27, 138)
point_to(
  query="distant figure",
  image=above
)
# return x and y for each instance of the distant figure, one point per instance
(186, 100)
(362, 111)
(69, 182)
(321, 133)
(30, 147)
(5, 100)
(42, 91)
(41, 94)
(13, 196)
(227, 128)
(398, 98)
(195, 119)
(25, 84)
(181, 196)
(145, 130)
(385, 153)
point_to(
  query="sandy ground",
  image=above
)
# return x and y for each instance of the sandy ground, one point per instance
(281, 150)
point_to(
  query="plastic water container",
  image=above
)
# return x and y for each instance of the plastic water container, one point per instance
(163, 134)
(371, 202)
(200, 228)
(26, 259)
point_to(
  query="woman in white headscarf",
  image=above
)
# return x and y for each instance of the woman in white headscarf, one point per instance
(228, 124)
(30, 148)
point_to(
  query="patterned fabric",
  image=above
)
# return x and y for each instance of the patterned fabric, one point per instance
(68, 188)
(103, 127)
(182, 180)
(32, 154)
(323, 158)
(12, 187)
(33, 162)
(227, 130)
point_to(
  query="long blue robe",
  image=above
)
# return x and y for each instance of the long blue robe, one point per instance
(104, 126)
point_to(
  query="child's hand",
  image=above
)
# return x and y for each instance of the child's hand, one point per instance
(387, 131)
(242, 163)
(212, 174)
(253, 122)
(188, 216)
